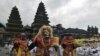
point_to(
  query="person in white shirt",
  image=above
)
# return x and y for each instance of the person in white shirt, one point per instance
(6, 46)
(98, 47)
(87, 47)
(60, 50)
(10, 46)
(80, 51)
(52, 51)
(93, 50)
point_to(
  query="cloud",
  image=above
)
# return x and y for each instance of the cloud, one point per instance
(89, 14)
(55, 4)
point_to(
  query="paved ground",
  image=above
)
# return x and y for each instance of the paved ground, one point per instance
(3, 51)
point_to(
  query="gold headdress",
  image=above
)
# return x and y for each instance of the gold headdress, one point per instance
(42, 29)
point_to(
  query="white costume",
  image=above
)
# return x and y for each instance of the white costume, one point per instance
(98, 48)
(94, 52)
(6, 46)
(80, 51)
(32, 52)
(10, 46)
(60, 51)
(29, 42)
(52, 51)
(87, 51)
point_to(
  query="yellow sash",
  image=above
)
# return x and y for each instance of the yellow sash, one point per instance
(19, 52)
(56, 41)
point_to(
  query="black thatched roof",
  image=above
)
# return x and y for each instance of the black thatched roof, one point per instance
(1, 25)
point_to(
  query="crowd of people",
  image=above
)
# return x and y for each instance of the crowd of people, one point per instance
(91, 49)
(45, 44)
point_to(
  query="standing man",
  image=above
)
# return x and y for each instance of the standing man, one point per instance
(68, 44)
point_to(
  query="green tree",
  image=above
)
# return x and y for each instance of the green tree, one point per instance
(88, 31)
(96, 30)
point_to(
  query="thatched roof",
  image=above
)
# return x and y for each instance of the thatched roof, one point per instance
(1, 25)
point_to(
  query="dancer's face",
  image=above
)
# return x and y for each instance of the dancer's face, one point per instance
(46, 31)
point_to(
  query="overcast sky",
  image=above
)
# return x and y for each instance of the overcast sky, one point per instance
(69, 13)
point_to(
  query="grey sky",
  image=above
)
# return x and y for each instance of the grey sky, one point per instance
(69, 13)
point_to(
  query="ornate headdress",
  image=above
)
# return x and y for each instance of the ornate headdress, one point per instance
(45, 27)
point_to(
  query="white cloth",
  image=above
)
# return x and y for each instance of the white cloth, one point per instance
(32, 52)
(79, 51)
(10, 46)
(98, 48)
(60, 51)
(6, 46)
(29, 42)
(82, 51)
(87, 51)
(52, 51)
(94, 52)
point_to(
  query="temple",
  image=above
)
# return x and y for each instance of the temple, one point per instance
(14, 24)
(40, 19)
